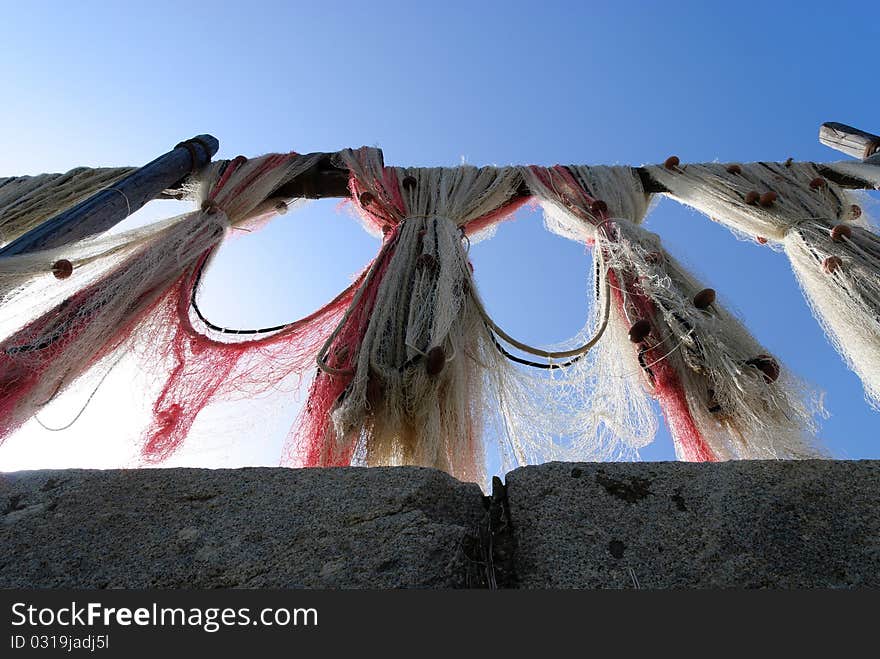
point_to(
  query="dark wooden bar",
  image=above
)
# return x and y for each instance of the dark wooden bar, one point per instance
(163, 177)
(329, 180)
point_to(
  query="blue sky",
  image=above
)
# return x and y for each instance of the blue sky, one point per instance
(93, 83)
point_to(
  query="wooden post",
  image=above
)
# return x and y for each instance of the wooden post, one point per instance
(107, 208)
(851, 141)
(327, 179)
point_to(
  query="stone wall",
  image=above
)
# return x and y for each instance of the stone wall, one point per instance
(615, 525)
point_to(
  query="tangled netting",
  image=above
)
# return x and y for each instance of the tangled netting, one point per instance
(722, 395)
(822, 229)
(401, 374)
(79, 306)
(27, 201)
(406, 365)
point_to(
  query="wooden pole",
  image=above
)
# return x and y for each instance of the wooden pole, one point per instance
(851, 141)
(107, 208)
(163, 176)
(328, 180)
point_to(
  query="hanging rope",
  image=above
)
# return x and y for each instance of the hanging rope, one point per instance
(551, 354)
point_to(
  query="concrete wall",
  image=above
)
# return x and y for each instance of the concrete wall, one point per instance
(621, 525)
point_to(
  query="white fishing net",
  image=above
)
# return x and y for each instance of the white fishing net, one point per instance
(723, 396)
(77, 307)
(833, 250)
(414, 395)
(413, 370)
(28, 201)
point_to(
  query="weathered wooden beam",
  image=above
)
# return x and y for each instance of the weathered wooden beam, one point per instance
(324, 180)
(327, 180)
(849, 140)
(112, 205)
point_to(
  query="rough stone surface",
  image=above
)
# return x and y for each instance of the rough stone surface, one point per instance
(677, 525)
(651, 525)
(249, 528)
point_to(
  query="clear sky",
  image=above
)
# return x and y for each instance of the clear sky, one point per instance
(92, 83)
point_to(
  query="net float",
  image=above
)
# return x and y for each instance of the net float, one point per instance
(839, 232)
(639, 331)
(435, 361)
(767, 365)
(768, 199)
(831, 264)
(704, 299)
(672, 162)
(62, 269)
